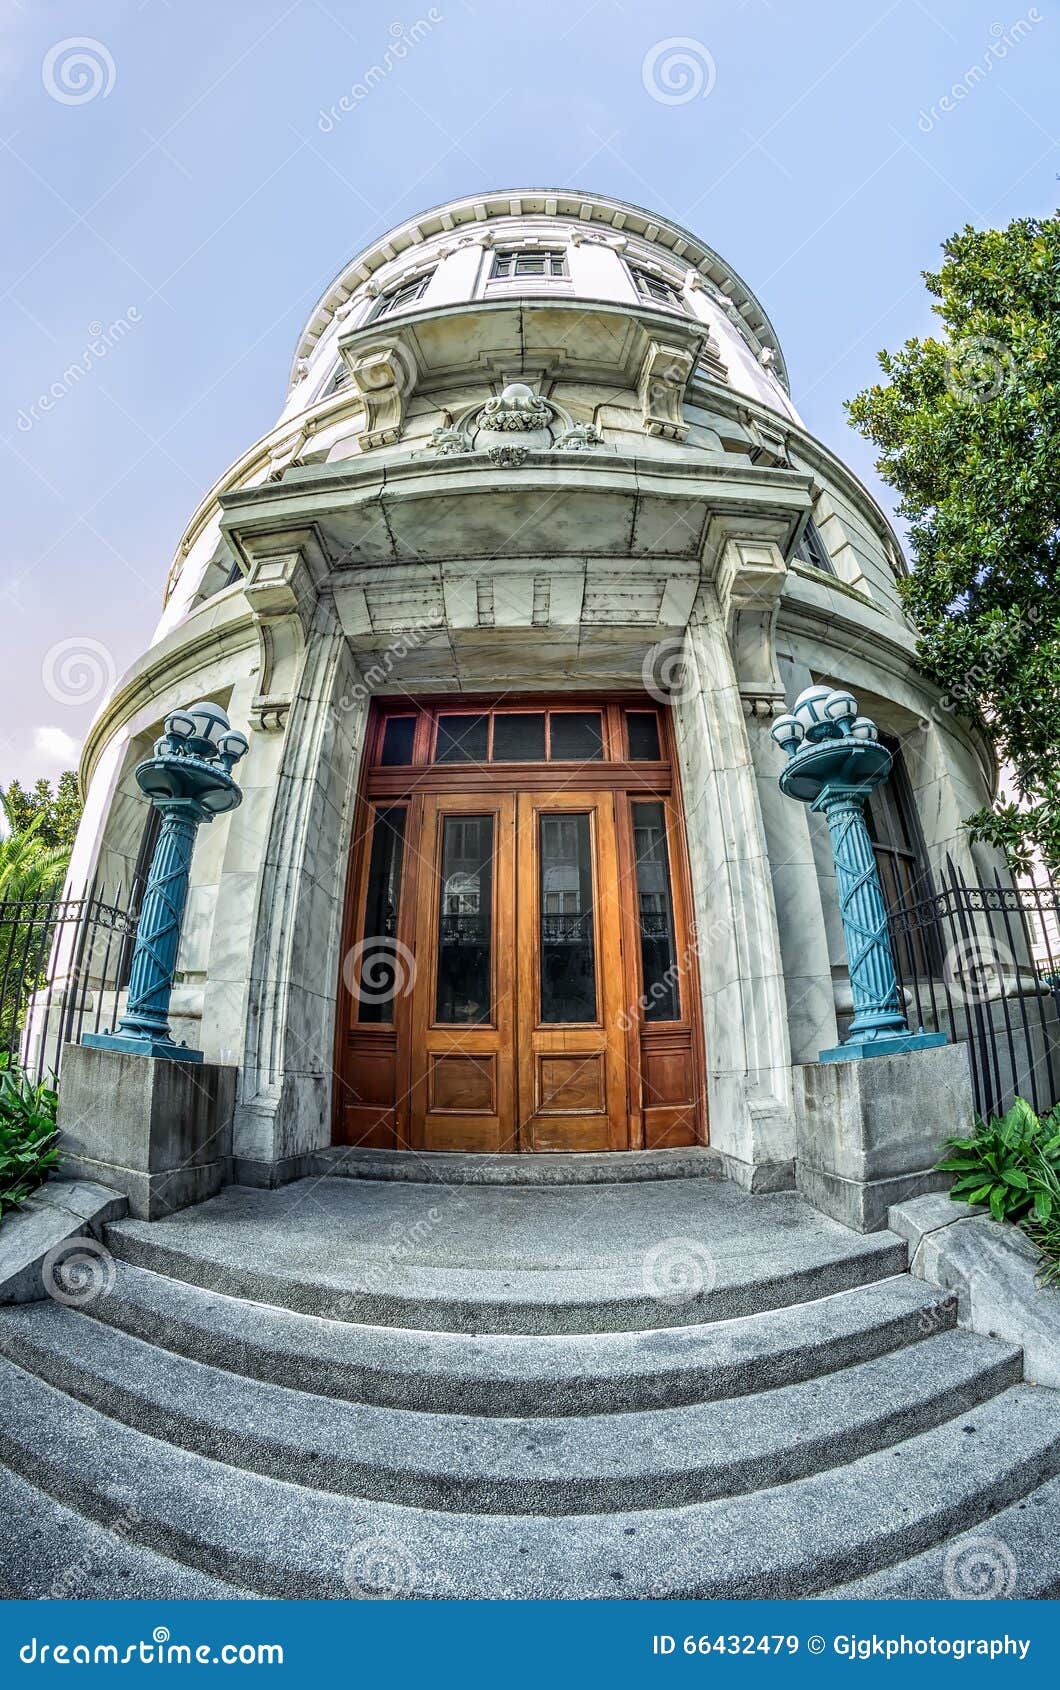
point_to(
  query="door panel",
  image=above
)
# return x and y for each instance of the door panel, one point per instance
(665, 1072)
(572, 1081)
(373, 1005)
(519, 964)
(463, 1066)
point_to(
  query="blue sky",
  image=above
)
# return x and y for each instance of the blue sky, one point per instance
(197, 199)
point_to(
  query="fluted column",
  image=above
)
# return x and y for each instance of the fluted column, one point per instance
(161, 919)
(877, 1002)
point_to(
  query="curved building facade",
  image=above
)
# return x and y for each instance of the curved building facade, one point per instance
(507, 600)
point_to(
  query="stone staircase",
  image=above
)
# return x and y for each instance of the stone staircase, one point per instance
(668, 1389)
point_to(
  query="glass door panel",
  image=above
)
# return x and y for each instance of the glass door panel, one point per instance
(655, 913)
(465, 921)
(463, 1041)
(378, 972)
(572, 1077)
(565, 901)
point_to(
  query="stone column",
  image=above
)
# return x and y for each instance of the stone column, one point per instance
(284, 1111)
(741, 968)
(751, 573)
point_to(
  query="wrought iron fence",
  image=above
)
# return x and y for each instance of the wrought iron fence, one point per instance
(63, 965)
(982, 963)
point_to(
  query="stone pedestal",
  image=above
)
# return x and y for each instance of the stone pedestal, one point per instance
(159, 1131)
(868, 1133)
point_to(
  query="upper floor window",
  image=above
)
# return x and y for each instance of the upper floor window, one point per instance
(527, 261)
(657, 288)
(404, 294)
(811, 549)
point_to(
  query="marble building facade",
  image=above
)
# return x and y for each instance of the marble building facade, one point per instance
(532, 442)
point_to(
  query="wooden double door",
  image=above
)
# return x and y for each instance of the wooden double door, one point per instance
(518, 973)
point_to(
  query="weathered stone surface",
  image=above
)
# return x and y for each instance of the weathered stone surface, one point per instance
(61, 1209)
(868, 1132)
(161, 1132)
(993, 1267)
(917, 1216)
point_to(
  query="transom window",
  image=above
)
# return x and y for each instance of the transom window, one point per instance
(651, 286)
(527, 261)
(405, 294)
(517, 732)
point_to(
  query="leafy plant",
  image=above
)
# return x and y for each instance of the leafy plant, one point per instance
(28, 1135)
(967, 425)
(1000, 1165)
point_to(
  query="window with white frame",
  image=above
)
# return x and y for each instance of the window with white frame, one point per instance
(406, 293)
(511, 263)
(655, 287)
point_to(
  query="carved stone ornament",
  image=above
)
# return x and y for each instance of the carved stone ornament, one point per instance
(446, 439)
(518, 410)
(383, 377)
(580, 437)
(664, 376)
(508, 456)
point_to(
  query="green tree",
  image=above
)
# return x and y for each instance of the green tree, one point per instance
(28, 865)
(59, 811)
(30, 870)
(968, 429)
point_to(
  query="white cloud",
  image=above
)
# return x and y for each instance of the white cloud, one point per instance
(55, 744)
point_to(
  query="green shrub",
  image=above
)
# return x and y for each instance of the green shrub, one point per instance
(27, 1135)
(1042, 1224)
(1012, 1165)
(998, 1165)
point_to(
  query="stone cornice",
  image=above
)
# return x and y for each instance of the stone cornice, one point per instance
(359, 499)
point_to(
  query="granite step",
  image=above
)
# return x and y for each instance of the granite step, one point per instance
(449, 1168)
(57, 1555)
(502, 1374)
(577, 1464)
(1010, 1556)
(283, 1539)
(675, 1281)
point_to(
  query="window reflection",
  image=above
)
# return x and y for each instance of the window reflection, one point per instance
(378, 969)
(465, 921)
(568, 962)
(656, 913)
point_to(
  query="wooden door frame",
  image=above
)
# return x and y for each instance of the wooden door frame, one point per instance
(628, 781)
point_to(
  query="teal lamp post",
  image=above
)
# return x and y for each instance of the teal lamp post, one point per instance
(189, 779)
(835, 760)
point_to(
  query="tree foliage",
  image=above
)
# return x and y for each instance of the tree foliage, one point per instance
(968, 429)
(28, 866)
(59, 811)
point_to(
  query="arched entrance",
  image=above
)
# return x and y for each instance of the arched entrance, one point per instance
(518, 971)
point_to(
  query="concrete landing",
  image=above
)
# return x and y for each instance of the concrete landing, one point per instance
(514, 1259)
